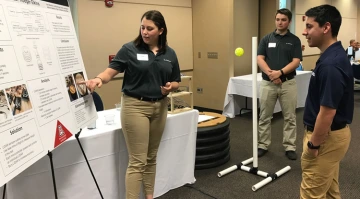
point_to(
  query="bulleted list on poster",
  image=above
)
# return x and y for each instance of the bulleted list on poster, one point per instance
(49, 99)
(19, 144)
(9, 70)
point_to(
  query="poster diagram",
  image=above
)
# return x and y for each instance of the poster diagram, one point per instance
(38, 60)
(27, 54)
(33, 21)
(41, 105)
(37, 55)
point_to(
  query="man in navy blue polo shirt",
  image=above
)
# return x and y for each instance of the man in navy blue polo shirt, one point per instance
(329, 106)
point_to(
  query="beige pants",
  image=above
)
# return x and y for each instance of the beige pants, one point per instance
(143, 125)
(320, 175)
(287, 95)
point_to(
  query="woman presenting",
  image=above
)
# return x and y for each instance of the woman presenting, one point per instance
(151, 71)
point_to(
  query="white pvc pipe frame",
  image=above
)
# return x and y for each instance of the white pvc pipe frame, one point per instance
(254, 159)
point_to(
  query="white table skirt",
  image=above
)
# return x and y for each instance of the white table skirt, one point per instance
(242, 86)
(106, 150)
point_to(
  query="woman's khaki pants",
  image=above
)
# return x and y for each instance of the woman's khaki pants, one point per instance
(143, 125)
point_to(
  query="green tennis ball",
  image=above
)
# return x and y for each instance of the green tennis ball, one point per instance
(239, 52)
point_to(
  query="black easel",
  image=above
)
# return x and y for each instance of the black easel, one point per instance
(82, 150)
(4, 191)
(53, 173)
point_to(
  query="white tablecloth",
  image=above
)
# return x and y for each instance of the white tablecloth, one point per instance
(106, 150)
(242, 86)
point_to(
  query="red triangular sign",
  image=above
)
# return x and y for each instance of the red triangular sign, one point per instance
(62, 134)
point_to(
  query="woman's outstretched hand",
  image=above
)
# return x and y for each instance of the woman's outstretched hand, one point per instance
(91, 84)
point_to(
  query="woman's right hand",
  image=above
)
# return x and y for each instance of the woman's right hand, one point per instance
(91, 84)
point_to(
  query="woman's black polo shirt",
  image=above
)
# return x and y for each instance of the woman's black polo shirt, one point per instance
(144, 71)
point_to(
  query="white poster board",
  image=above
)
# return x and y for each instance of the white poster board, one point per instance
(41, 105)
(357, 55)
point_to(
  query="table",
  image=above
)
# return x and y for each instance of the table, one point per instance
(106, 150)
(242, 86)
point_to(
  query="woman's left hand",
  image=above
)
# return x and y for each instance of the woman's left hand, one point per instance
(165, 90)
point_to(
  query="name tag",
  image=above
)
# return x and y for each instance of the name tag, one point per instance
(142, 57)
(272, 45)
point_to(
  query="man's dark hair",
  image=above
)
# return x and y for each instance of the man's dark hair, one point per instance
(326, 13)
(285, 12)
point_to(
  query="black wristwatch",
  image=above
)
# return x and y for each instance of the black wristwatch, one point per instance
(311, 146)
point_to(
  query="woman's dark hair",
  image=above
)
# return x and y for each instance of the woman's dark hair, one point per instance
(159, 21)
